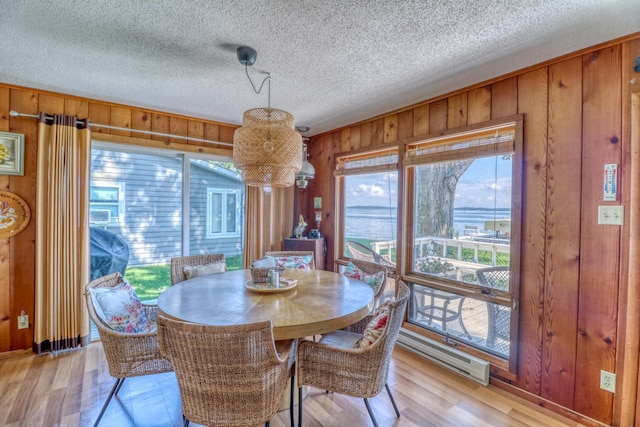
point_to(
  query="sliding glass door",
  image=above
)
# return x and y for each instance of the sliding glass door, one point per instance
(148, 206)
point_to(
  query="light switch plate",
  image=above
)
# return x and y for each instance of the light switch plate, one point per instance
(611, 215)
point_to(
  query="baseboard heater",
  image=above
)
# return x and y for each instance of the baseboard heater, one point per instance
(450, 358)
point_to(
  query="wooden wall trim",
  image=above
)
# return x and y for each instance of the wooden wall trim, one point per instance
(367, 152)
(123, 108)
(568, 413)
(532, 100)
(628, 386)
(5, 267)
(461, 132)
(624, 409)
(164, 145)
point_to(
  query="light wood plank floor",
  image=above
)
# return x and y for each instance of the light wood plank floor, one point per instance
(69, 388)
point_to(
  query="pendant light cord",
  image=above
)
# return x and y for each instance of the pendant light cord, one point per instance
(257, 91)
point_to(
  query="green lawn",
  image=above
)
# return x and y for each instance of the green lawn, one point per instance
(149, 281)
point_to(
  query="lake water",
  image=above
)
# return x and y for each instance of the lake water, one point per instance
(379, 223)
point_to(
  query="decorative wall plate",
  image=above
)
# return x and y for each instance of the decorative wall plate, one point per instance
(14, 214)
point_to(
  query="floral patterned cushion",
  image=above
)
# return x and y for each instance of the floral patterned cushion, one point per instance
(375, 327)
(373, 280)
(302, 262)
(191, 271)
(121, 309)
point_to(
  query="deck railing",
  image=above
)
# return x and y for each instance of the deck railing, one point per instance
(425, 246)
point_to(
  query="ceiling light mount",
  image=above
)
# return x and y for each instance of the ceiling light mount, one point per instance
(246, 55)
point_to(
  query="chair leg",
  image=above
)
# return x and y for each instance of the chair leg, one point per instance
(185, 421)
(445, 307)
(461, 320)
(266, 424)
(373, 418)
(299, 406)
(291, 401)
(119, 387)
(114, 390)
(393, 402)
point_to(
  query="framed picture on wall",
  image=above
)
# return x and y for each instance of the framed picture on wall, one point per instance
(11, 153)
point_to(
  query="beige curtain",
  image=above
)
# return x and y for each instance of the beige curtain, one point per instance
(269, 220)
(62, 234)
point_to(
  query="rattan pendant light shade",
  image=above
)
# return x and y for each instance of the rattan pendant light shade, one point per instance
(267, 149)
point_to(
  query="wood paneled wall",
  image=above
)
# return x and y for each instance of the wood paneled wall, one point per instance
(17, 254)
(573, 271)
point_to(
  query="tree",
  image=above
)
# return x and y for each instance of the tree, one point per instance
(225, 165)
(435, 197)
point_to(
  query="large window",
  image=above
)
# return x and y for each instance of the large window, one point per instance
(463, 215)
(368, 188)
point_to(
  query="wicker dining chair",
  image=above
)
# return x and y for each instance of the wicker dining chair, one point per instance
(228, 375)
(334, 364)
(281, 255)
(128, 354)
(385, 291)
(364, 253)
(179, 263)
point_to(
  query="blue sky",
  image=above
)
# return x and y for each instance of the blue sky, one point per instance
(485, 184)
(379, 189)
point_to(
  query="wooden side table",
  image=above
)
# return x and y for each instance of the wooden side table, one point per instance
(318, 246)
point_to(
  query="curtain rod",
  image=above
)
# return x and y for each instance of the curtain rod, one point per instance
(14, 113)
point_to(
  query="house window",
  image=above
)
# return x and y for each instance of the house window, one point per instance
(367, 184)
(223, 207)
(106, 202)
(463, 216)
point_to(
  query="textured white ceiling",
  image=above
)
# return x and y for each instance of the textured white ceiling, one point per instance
(332, 62)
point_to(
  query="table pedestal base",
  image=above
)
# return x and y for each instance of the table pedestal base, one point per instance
(284, 402)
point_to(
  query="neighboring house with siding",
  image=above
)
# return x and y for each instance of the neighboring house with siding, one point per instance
(139, 197)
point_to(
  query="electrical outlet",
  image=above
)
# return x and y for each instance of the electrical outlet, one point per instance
(23, 321)
(608, 381)
(611, 215)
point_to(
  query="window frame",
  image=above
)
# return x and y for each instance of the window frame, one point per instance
(96, 205)
(506, 368)
(225, 193)
(342, 172)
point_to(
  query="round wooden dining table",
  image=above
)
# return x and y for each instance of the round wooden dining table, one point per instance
(321, 302)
